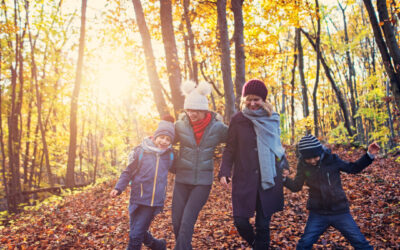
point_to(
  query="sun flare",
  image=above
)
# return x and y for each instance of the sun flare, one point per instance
(114, 80)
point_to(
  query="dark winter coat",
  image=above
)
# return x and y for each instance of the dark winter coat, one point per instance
(194, 164)
(240, 154)
(326, 195)
(148, 176)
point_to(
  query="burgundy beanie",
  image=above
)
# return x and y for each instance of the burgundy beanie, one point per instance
(255, 87)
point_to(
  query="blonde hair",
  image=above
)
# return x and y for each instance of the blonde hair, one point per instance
(266, 105)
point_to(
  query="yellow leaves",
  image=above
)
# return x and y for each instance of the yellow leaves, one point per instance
(8, 28)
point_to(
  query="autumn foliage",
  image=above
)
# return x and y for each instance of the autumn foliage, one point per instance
(93, 220)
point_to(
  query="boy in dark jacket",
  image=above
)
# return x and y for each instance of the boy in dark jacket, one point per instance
(147, 171)
(327, 202)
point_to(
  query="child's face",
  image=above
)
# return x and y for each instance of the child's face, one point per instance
(162, 141)
(312, 161)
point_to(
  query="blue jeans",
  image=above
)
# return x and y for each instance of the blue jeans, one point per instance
(187, 201)
(261, 238)
(140, 221)
(317, 225)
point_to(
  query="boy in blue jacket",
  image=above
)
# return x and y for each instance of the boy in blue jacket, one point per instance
(327, 202)
(147, 171)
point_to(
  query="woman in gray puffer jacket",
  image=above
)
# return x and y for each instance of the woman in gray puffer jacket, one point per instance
(198, 132)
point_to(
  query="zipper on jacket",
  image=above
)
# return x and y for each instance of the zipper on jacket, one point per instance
(155, 180)
(329, 180)
(141, 190)
(196, 168)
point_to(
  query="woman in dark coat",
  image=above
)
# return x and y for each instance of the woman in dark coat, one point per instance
(254, 151)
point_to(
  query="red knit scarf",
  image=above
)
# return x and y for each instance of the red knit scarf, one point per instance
(200, 126)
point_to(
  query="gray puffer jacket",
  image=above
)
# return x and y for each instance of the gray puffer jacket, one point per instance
(194, 163)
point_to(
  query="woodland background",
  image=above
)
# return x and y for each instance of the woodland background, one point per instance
(82, 82)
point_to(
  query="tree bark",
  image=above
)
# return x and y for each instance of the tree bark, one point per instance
(190, 37)
(318, 50)
(171, 54)
(3, 154)
(393, 74)
(292, 84)
(306, 111)
(225, 60)
(392, 142)
(15, 194)
(69, 178)
(151, 67)
(240, 59)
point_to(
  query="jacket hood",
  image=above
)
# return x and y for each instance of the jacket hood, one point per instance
(148, 146)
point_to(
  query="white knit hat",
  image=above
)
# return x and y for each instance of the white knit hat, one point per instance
(195, 97)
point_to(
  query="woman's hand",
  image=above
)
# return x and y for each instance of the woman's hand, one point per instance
(114, 193)
(225, 181)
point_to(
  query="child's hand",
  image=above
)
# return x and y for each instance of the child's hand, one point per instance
(285, 173)
(373, 148)
(114, 193)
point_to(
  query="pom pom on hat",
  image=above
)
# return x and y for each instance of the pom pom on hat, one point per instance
(187, 87)
(204, 88)
(196, 97)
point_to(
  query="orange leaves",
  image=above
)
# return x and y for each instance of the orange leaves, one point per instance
(92, 220)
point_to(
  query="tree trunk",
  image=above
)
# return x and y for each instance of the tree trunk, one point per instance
(15, 194)
(154, 80)
(27, 143)
(338, 92)
(392, 142)
(225, 60)
(318, 50)
(240, 59)
(190, 38)
(306, 111)
(34, 157)
(292, 84)
(69, 179)
(171, 54)
(3, 154)
(393, 74)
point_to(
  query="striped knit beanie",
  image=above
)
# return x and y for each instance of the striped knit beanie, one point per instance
(309, 147)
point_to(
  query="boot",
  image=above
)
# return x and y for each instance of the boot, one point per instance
(158, 244)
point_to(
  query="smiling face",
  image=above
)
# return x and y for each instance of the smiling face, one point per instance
(253, 102)
(162, 141)
(196, 115)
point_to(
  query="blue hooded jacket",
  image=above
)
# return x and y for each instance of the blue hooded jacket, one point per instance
(147, 173)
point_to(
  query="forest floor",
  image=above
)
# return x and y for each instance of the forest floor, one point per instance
(93, 220)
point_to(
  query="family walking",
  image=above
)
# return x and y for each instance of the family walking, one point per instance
(253, 162)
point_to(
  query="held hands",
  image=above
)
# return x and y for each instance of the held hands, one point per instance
(225, 181)
(114, 193)
(285, 173)
(373, 148)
